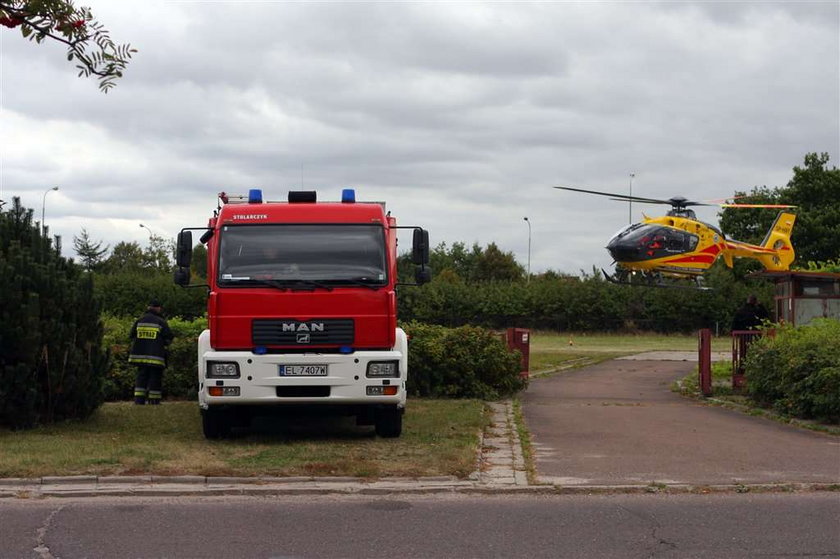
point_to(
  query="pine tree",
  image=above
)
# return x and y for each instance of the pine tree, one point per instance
(91, 254)
(52, 364)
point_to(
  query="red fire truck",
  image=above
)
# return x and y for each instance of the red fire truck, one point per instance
(302, 311)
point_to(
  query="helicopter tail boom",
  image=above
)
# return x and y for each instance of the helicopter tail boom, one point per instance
(775, 252)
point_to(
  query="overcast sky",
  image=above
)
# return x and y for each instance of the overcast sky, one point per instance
(461, 116)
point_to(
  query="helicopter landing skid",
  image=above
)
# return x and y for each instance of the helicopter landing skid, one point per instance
(623, 277)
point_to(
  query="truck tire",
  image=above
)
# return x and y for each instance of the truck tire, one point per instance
(388, 422)
(215, 423)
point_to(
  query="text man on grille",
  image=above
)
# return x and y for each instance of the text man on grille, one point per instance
(150, 335)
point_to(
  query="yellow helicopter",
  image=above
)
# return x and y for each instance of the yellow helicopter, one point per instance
(678, 246)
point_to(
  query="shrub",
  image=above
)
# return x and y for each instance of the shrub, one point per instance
(797, 372)
(127, 293)
(464, 362)
(52, 363)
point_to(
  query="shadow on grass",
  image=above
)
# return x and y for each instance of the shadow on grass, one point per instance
(274, 428)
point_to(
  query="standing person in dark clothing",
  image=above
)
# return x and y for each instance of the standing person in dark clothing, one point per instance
(150, 335)
(750, 315)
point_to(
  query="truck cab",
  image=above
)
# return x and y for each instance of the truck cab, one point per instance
(302, 311)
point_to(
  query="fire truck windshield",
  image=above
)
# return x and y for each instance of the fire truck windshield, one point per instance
(302, 254)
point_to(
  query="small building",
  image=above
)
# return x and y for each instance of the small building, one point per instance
(803, 296)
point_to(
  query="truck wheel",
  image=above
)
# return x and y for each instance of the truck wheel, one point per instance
(388, 422)
(215, 423)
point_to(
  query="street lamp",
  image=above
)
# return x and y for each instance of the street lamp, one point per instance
(631, 197)
(43, 204)
(528, 221)
(149, 230)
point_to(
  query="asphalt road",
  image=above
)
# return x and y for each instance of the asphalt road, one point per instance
(626, 526)
(618, 423)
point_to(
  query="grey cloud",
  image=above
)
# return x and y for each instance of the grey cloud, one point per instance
(461, 116)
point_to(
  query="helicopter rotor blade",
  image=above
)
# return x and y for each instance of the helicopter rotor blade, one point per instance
(756, 206)
(719, 201)
(675, 202)
(642, 200)
(620, 197)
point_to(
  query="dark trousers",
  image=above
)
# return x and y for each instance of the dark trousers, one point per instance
(148, 385)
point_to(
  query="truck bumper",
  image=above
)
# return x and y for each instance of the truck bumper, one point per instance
(260, 382)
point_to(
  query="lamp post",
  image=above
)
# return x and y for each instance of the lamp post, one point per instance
(528, 221)
(149, 230)
(43, 205)
(631, 197)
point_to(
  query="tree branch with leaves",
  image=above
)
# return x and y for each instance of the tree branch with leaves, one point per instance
(88, 42)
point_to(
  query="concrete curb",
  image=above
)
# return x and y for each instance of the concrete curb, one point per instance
(36, 489)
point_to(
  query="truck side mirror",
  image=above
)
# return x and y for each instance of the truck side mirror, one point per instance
(420, 247)
(183, 253)
(182, 276)
(422, 275)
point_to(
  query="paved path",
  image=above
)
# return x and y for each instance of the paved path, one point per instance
(617, 423)
(675, 356)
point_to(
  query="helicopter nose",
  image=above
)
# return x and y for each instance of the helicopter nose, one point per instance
(623, 252)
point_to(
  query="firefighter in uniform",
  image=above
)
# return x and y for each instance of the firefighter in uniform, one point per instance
(150, 335)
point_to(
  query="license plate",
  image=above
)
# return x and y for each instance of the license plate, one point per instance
(303, 370)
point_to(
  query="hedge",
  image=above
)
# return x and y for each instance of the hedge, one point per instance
(797, 371)
(464, 362)
(127, 294)
(588, 304)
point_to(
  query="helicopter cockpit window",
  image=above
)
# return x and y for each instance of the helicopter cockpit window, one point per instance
(626, 230)
(644, 235)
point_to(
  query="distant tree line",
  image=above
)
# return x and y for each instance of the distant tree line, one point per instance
(128, 275)
(815, 191)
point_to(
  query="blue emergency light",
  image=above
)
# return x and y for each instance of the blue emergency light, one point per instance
(348, 196)
(255, 196)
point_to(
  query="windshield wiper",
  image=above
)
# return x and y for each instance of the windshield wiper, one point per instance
(360, 282)
(271, 283)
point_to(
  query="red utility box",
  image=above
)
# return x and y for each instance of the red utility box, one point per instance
(520, 338)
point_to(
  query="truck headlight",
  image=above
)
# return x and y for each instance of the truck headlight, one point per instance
(218, 369)
(383, 369)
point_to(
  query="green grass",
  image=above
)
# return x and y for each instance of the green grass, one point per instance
(721, 382)
(551, 351)
(524, 434)
(440, 437)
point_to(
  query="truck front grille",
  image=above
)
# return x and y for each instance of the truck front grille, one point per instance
(302, 333)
